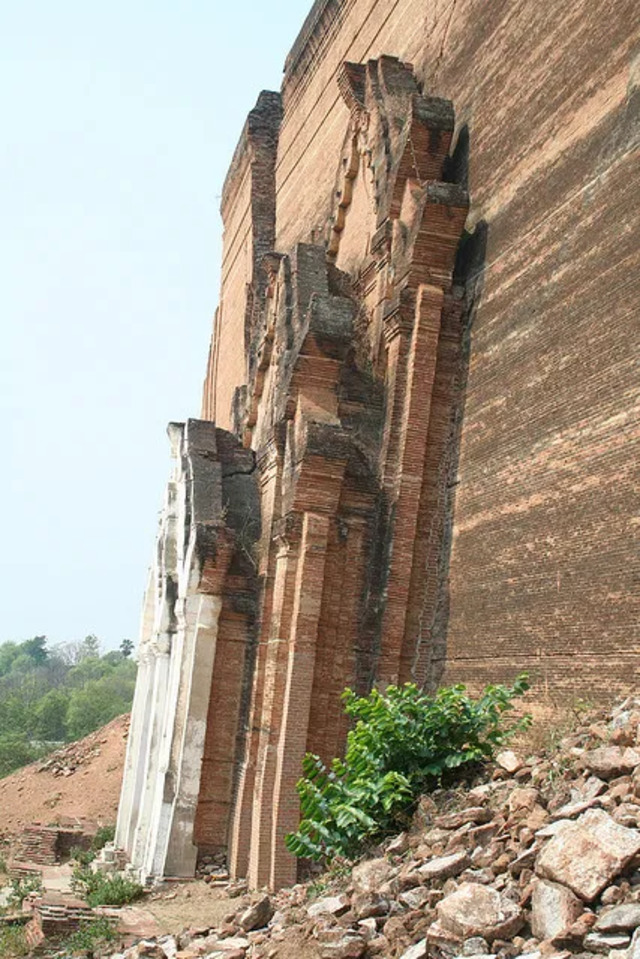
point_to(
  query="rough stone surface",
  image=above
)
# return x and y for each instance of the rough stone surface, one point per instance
(474, 910)
(257, 915)
(553, 909)
(508, 761)
(476, 945)
(588, 854)
(620, 918)
(475, 814)
(369, 876)
(499, 893)
(609, 761)
(603, 943)
(418, 950)
(349, 947)
(331, 905)
(444, 866)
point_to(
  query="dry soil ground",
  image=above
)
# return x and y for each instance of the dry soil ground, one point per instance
(81, 781)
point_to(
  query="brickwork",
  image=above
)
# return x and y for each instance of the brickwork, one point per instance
(249, 216)
(543, 570)
(341, 442)
(56, 917)
(424, 343)
(550, 393)
(47, 845)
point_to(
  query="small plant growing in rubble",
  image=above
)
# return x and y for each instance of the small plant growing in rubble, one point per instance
(91, 935)
(13, 941)
(21, 888)
(403, 742)
(104, 835)
(100, 890)
(84, 857)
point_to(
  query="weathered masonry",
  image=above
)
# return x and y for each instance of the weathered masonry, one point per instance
(415, 456)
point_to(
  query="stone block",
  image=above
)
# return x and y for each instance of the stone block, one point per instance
(587, 854)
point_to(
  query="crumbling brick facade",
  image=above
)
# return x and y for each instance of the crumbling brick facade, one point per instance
(415, 457)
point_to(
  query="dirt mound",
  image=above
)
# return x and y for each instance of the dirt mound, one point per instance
(80, 781)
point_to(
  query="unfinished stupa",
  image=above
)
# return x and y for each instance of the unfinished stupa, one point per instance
(415, 453)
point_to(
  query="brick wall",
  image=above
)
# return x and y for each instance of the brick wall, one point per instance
(538, 569)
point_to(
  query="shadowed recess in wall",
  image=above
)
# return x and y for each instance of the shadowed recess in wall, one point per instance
(469, 277)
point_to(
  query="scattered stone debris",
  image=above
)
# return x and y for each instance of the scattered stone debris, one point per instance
(66, 761)
(539, 858)
(88, 794)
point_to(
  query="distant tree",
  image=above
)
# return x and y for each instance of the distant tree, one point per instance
(126, 648)
(50, 716)
(8, 652)
(36, 649)
(22, 663)
(51, 695)
(90, 647)
(89, 668)
(69, 653)
(101, 700)
(114, 657)
(16, 751)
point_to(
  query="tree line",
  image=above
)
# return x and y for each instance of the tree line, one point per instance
(51, 695)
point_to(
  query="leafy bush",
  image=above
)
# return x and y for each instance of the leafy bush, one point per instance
(21, 888)
(84, 857)
(104, 835)
(13, 941)
(91, 935)
(99, 889)
(402, 743)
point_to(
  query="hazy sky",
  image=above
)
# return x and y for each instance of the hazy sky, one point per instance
(118, 121)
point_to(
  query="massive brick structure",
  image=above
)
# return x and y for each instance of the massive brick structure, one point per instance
(415, 456)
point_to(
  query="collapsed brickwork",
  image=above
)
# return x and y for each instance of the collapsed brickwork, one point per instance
(47, 845)
(410, 462)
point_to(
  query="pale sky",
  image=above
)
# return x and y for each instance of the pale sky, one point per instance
(118, 121)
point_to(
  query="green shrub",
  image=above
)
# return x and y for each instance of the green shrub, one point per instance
(21, 888)
(91, 935)
(104, 835)
(13, 941)
(403, 742)
(99, 889)
(84, 857)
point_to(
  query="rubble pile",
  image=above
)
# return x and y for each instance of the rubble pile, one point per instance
(66, 761)
(78, 785)
(540, 857)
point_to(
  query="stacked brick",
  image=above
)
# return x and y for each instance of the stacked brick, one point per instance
(440, 475)
(38, 844)
(56, 918)
(48, 845)
(341, 445)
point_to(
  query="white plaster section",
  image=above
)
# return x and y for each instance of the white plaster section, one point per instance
(176, 656)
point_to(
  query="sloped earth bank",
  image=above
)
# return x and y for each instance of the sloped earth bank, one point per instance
(80, 781)
(540, 857)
